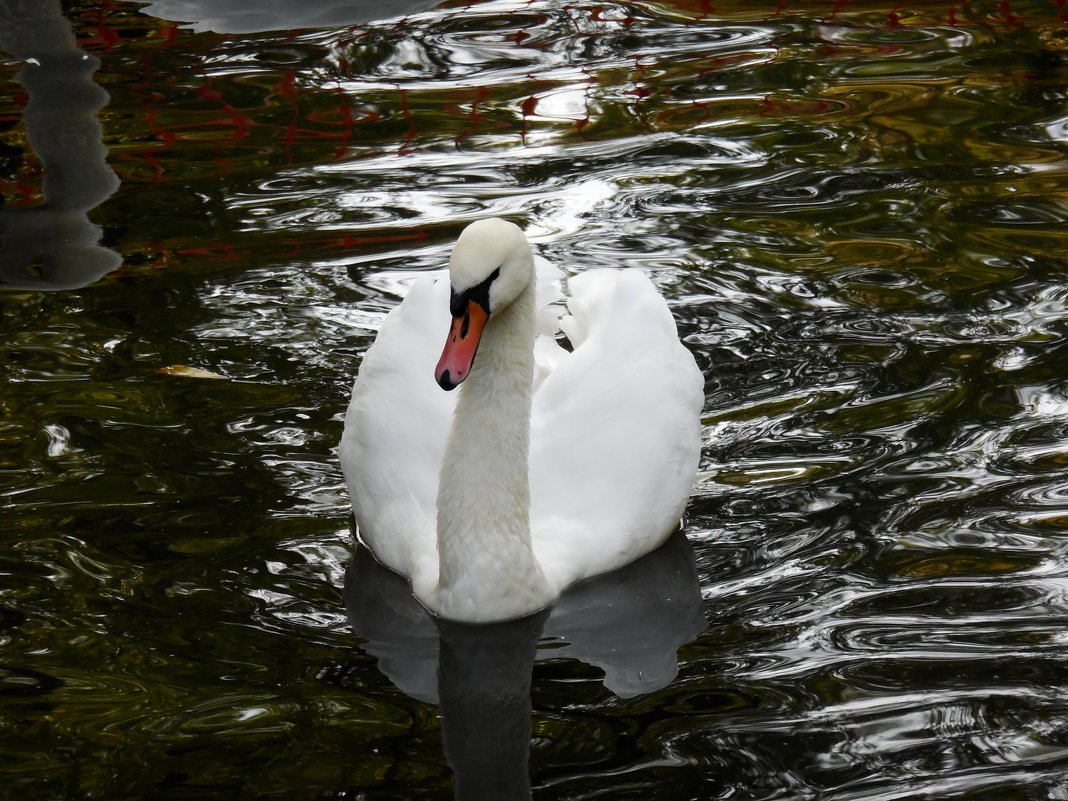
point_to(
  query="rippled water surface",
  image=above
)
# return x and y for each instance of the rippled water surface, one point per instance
(857, 211)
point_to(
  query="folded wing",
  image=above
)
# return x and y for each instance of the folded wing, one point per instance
(615, 437)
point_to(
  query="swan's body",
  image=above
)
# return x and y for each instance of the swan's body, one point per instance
(551, 466)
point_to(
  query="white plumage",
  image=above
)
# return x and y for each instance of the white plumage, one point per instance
(560, 465)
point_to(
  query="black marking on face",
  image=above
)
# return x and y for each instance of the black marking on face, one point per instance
(478, 294)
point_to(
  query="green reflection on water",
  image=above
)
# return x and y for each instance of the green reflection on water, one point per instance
(858, 215)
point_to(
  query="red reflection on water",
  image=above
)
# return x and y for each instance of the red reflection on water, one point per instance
(839, 5)
(409, 134)
(527, 108)
(345, 114)
(474, 116)
(350, 241)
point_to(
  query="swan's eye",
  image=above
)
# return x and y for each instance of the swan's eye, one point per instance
(477, 294)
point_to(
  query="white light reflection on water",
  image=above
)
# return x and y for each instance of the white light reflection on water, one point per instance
(858, 224)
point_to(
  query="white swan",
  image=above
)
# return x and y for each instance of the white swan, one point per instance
(551, 470)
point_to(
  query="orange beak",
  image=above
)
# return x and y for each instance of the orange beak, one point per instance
(460, 348)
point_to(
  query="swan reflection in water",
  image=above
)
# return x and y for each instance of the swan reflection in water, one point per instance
(54, 245)
(629, 623)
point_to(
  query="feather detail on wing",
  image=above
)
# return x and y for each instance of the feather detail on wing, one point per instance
(615, 430)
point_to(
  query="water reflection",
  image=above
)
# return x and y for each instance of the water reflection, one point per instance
(629, 623)
(54, 245)
(253, 16)
(860, 228)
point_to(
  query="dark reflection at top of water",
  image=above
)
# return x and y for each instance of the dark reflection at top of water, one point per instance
(246, 16)
(53, 245)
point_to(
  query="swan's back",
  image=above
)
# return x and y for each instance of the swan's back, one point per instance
(615, 437)
(395, 428)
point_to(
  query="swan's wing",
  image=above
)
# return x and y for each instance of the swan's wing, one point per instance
(615, 430)
(395, 431)
(549, 292)
(398, 420)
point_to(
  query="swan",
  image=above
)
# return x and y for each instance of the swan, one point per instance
(549, 465)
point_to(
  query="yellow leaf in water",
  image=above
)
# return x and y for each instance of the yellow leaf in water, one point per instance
(186, 371)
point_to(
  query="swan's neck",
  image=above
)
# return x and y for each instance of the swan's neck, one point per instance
(487, 569)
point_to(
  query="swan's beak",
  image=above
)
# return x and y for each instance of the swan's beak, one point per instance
(460, 348)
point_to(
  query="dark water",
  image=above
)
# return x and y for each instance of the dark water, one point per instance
(857, 211)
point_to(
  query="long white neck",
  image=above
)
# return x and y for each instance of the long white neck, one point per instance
(487, 569)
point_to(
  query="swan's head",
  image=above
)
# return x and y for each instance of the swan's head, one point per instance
(490, 266)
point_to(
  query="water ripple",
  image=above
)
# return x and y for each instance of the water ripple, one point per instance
(856, 215)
